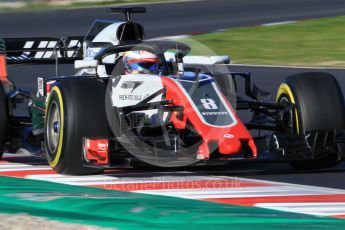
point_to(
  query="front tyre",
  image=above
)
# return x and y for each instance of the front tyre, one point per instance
(318, 112)
(4, 117)
(75, 109)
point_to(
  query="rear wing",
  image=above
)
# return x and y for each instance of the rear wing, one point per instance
(42, 50)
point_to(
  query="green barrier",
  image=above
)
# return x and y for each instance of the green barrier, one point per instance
(124, 210)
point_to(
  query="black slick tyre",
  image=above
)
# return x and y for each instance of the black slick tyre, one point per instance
(318, 106)
(4, 116)
(75, 109)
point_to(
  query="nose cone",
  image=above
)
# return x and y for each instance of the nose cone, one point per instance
(229, 146)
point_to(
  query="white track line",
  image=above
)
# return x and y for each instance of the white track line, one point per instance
(279, 23)
(236, 193)
(318, 209)
(300, 186)
(112, 180)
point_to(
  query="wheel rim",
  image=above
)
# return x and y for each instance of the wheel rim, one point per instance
(53, 127)
(285, 99)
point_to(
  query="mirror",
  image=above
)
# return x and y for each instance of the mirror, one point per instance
(83, 64)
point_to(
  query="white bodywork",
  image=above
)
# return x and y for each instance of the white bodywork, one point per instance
(109, 36)
(133, 88)
(202, 60)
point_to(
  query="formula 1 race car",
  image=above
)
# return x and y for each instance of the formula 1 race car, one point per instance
(136, 101)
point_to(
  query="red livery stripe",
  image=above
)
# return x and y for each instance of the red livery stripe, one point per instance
(25, 173)
(251, 201)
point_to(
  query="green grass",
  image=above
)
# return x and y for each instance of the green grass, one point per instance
(44, 5)
(317, 42)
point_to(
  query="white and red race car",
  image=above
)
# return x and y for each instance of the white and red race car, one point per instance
(184, 114)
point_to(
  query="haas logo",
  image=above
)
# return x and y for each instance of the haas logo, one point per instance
(102, 147)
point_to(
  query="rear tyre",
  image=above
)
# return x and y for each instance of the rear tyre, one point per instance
(75, 109)
(318, 106)
(3, 118)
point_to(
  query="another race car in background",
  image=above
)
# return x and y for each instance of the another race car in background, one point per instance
(184, 114)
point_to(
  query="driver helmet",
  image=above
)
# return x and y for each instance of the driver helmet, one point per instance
(141, 61)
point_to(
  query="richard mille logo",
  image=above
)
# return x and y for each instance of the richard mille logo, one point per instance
(130, 97)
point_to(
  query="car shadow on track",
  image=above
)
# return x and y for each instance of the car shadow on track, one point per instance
(264, 171)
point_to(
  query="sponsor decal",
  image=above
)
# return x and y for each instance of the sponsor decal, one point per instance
(102, 147)
(229, 136)
(131, 85)
(214, 113)
(45, 54)
(209, 103)
(40, 86)
(130, 97)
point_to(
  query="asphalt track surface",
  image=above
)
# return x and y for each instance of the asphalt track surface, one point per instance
(173, 19)
(191, 17)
